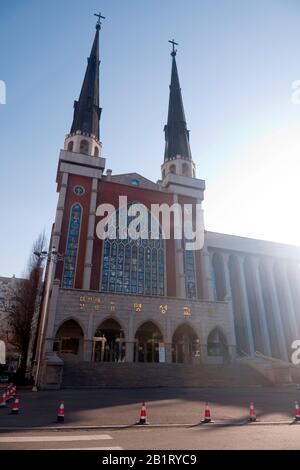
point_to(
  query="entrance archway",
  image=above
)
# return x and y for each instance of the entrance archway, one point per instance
(217, 344)
(69, 340)
(185, 345)
(109, 342)
(148, 341)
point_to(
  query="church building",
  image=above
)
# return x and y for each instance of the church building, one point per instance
(151, 300)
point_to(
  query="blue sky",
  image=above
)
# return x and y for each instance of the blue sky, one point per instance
(237, 60)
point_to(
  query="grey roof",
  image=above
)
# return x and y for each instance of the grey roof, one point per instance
(176, 133)
(86, 110)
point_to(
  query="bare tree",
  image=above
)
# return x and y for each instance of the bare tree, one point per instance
(26, 300)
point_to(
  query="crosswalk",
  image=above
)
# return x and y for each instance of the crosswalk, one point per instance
(59, 442)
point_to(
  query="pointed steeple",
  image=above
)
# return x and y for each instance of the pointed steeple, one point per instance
(176, 133)
(86, 110)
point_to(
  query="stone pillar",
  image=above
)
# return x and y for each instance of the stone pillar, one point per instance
(260, 305)
(208, 288)
(179, 264)
(168, 349)
(90, 237)
(244, 302)
(288, 300)
(270, 281)
(60, 211)
(129, 357)
(88, 350)
(51, 313)
(228, 298)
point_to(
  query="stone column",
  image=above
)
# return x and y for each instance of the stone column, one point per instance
(260, 305)
(288, 300)
(90, 236)
(129, 351)
(208, 288)
(228, 298)
(270, 281)
(168, 349)
(88, 350)
(51, 313)
(179, 264)
(60, 211)
(244, 302)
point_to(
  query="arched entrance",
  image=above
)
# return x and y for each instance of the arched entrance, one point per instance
(69, 340)
(148, 343)
(217, 345)
(185, 345)
(109, 342)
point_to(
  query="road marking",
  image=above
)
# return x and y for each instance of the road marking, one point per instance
(93, 437)
(90, 448)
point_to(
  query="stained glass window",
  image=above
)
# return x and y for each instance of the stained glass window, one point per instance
(190, 274)
(134, 266)
(72, 247)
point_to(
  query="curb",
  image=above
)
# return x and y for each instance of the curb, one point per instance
(148, 426)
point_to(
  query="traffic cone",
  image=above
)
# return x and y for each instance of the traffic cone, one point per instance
(3, 400)
(8, 394)
(297, 411)
(143, 415)
(207, 415)
(61, 412)
(16, 406)
(14, 391)
(252, 414)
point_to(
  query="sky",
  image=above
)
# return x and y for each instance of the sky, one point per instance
(237, 61)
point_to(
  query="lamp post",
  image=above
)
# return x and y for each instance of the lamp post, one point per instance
(52, 257)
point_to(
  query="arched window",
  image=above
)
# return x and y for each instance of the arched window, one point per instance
(190, 274)
(70, 146)
(96, 152)
(185, 169)
(72, 247)
(164, 174)
(84, 147)
(173, 169)
(134, 266)
(217, 344)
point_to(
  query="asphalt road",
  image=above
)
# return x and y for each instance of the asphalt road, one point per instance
(164, 406)
(249, 437)
(105, 419)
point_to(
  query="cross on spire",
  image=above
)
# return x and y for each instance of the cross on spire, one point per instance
(173, 53)
(100, 17)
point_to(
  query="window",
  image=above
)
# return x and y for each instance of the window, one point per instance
(134, 266)
(96, 152)
(70, 146)
(190, 274)
(84, 147)
(173, 169)
(72, 247)
(185, 169)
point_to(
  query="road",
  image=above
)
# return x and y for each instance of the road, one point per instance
(106, 419)
(250, 437)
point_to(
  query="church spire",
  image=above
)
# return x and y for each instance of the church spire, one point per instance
(86, 110)
(176, 133)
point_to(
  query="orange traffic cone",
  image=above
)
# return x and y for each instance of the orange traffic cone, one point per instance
(14, 391)
(252, 414)
(143, 415)
(3, 400)
(207, 415)
(8, 394)
(61, 412)
(297, 411)
(16, 406)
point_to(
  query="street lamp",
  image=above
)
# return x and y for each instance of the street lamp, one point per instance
(52, 258)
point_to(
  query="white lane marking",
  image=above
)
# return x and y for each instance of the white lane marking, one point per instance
(90, 448)
(93, 437)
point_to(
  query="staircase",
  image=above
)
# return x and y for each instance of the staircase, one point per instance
(146, 375)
